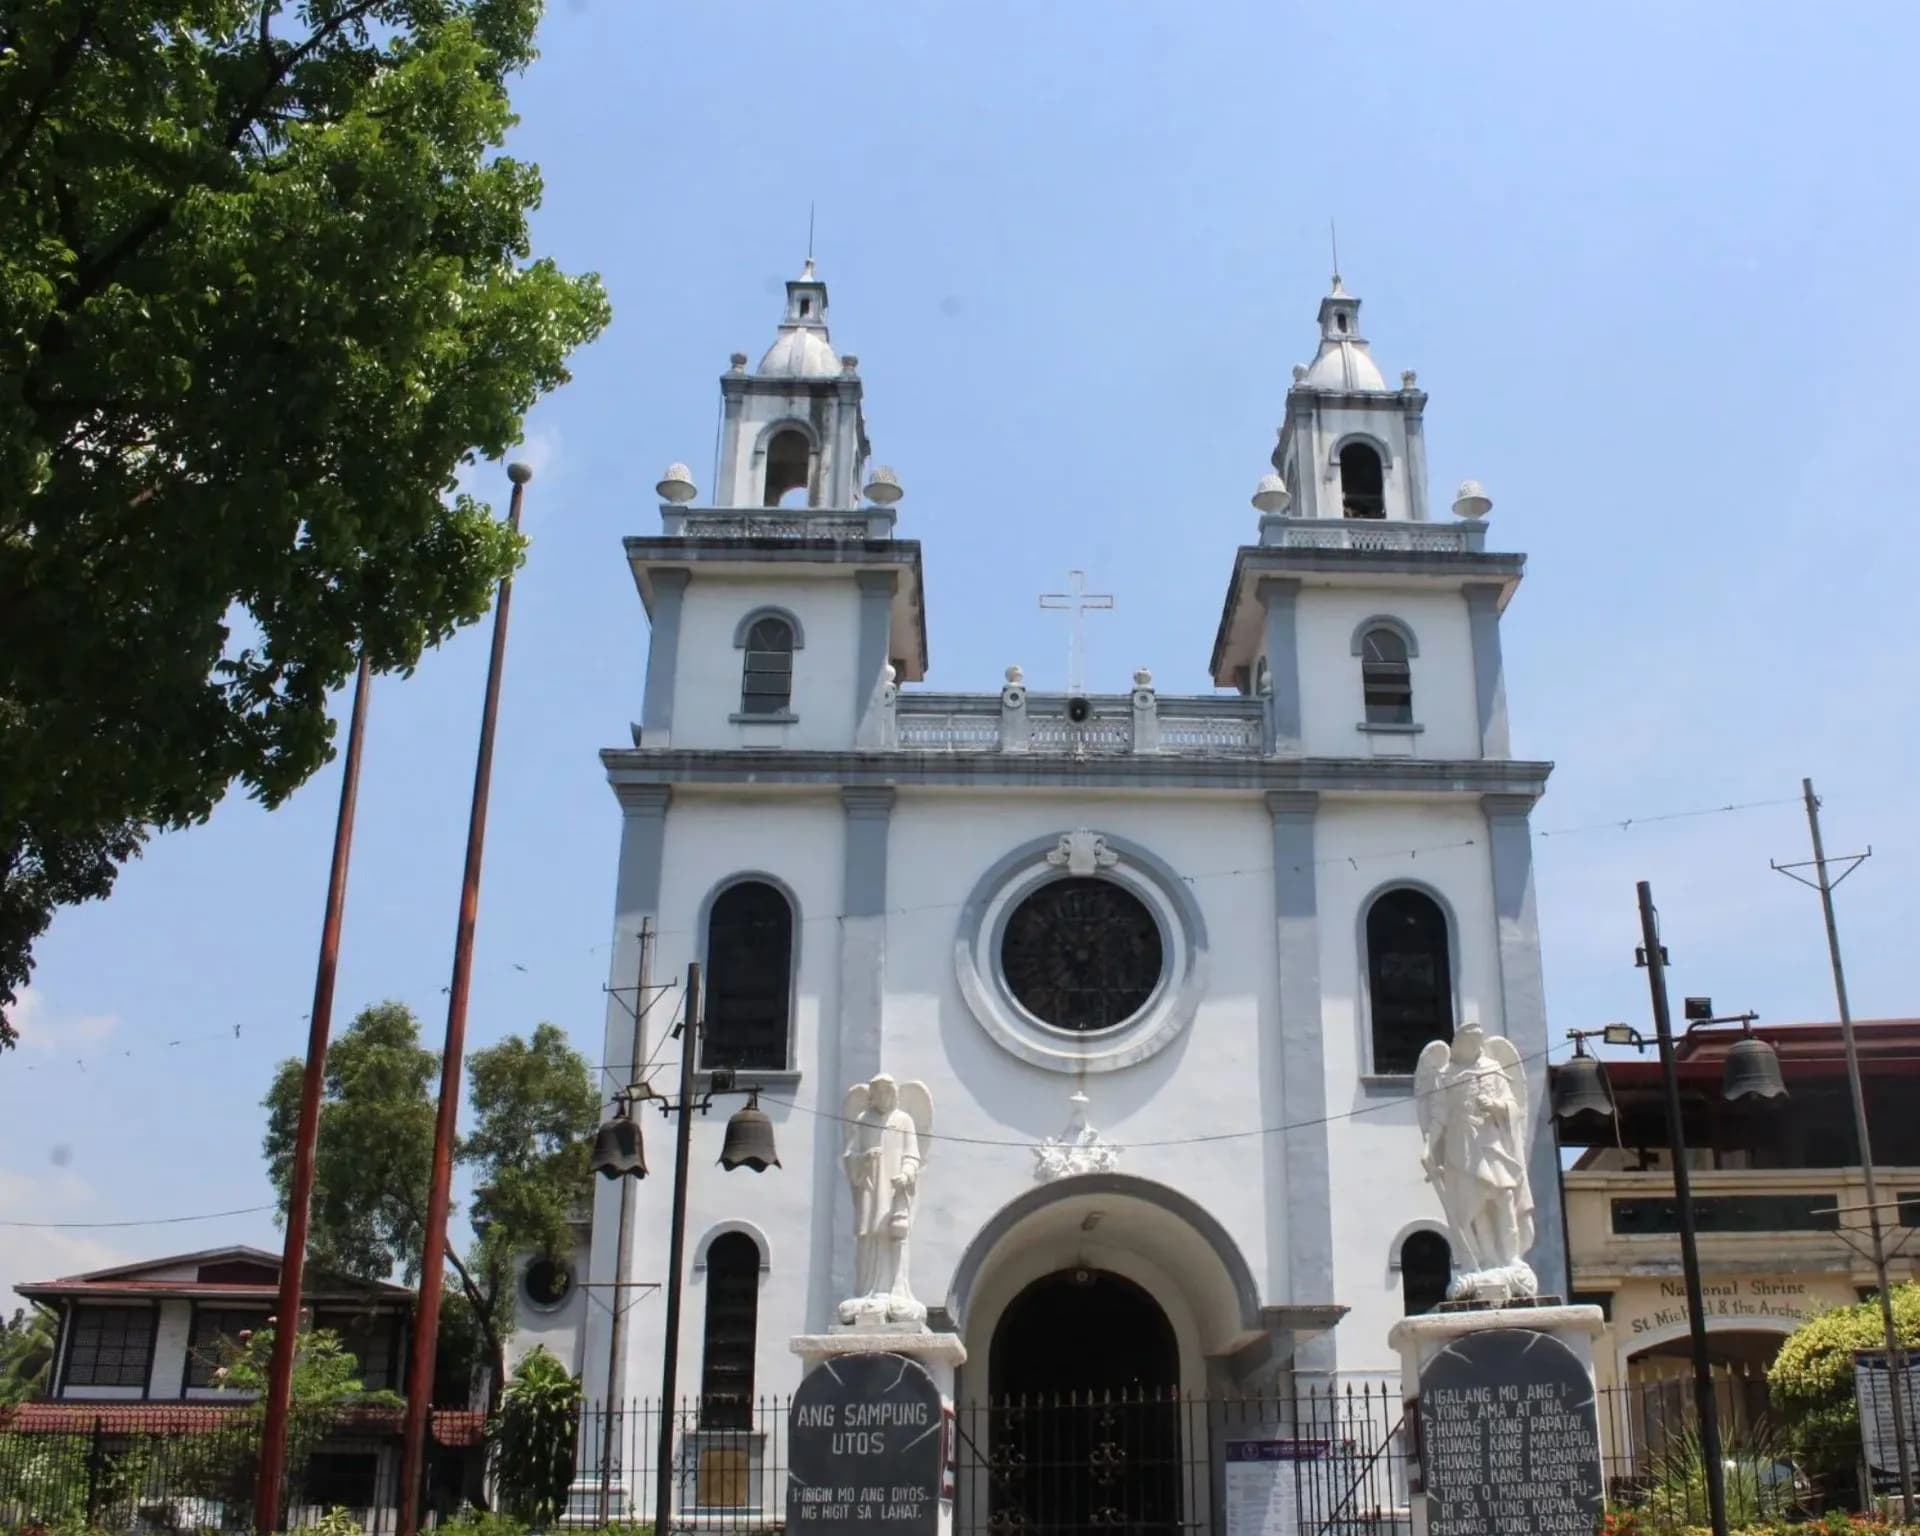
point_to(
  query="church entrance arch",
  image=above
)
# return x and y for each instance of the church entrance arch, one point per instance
(1085, 1414)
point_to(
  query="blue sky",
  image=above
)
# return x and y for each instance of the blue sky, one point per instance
(1654, 264)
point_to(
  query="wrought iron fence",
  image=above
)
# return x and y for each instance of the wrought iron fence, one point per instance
(1655, 1470)
(1326, 1462)
(167, 1471)
(1127, 1463)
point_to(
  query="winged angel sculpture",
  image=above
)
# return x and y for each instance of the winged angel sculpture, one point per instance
(1472, 1097)
(888, 1127)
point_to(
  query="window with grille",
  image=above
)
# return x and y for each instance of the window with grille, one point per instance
(749, 978)
(210, 1326)
(112, 1347)
(766, 680)
(1426, 1270)
(1409, 978)
(733, 1308)
(373, 1339)
(1385, 678)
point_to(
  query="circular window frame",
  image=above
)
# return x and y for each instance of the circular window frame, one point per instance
(1170, 1006)
(533, 1302)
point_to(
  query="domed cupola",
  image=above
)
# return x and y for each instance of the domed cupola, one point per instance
(1352, 446)
(792, 432)
(1343, 361)
(802, 350)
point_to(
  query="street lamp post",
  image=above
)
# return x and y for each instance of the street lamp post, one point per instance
(1752, 1070)
(617, 1153)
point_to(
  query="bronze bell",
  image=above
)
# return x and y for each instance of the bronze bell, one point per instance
(749, 1142)
(1753, 1071)
(1580, 1088)
(617, 1150)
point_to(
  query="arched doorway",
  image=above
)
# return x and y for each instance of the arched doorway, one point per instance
(1085, 1416)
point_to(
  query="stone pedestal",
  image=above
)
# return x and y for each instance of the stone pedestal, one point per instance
(870, 1435)
(1508, 1434)
(941, 1354)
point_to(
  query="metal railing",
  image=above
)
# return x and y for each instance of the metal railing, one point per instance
(1115, 725)
(1372, 534)
(1133, 1462)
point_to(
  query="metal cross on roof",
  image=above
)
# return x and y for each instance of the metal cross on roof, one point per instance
(1076, 602)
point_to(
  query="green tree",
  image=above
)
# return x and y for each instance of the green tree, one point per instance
(26, 1353)
(1810, 1382)
(532, 1438)
(326, 1381)
(534, 1111)
(265, 286)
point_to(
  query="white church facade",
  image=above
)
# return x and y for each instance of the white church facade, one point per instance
(1164, 962)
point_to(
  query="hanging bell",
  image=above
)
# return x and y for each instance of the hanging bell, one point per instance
(1580, 1088)
(1753, 1071)
(749, 1142)
(617, 1150)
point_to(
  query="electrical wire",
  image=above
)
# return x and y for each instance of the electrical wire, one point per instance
(145, 1221)
(1616, 824)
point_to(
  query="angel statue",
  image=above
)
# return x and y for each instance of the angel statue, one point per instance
(888, 1124)
(1472, 1099)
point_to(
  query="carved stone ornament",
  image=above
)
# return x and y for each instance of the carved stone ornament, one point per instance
(1082, 852)
(1078, 1149)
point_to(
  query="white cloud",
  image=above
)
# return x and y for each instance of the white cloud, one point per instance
(40, 1253)
(45, 1030)
(488, 480)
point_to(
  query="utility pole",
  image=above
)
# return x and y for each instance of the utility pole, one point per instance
(1653, 956)
(433, 1252)
(293, 1257)
(623, 1262)
(1896, 1357)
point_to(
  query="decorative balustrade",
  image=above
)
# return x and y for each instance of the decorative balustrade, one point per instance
(1116, 726)
(1372, 535)
(776, 523)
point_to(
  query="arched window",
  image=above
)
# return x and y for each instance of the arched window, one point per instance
(1363, 489)
(1386, 681)
(789, 466)
(766, 676)
(749, 978)
(733, 1309)
(1409, 978)
(1426, 1270)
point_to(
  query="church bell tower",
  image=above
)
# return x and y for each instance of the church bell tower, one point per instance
(792, 432)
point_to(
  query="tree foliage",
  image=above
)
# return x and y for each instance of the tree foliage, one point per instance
(26, 1353)
(1810, 1382)
(532, 1437)
(265, 286)
(534, 1111)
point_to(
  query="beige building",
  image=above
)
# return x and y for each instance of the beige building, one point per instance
(1779, 1200)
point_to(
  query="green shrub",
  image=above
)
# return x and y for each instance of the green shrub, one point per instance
(337, 1522)
(1811, 1380)
(533, 1437)
(481, 1522)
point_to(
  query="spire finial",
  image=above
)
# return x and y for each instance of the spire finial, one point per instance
(809, 232)
(1333, 239)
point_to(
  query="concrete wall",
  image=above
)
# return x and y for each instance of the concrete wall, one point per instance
(1331, 700)
(707, 682)
(1217, 1074)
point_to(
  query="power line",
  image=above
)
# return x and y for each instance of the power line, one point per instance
(1180, 1141)
(147, 1221)
(1354, 860)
